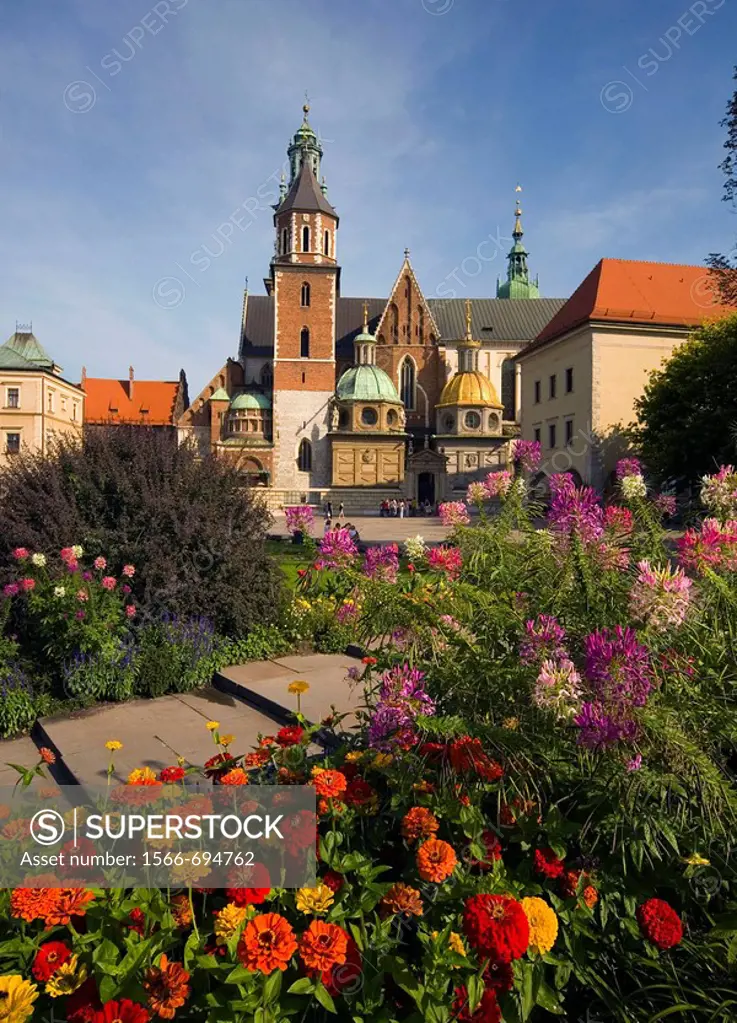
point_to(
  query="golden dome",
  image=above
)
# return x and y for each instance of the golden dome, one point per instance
(469, 388)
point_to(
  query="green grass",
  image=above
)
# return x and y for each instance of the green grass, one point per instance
(290, 557)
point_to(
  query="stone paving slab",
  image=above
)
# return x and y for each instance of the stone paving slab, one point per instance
(153, 733)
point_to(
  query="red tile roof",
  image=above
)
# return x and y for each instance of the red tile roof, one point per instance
(629, 291)
(151, 401)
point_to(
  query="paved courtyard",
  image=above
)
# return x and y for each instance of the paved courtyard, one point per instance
(373, 529)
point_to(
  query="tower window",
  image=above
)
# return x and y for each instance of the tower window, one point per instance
(326, 243)
(369, 417)
(305, 239)
(284, 241)
(472, 420)
(304, 456)
(536, 434)
(395, 324)
(304, 343)
(553, 387)
(267, 375)
(407, 384)
(305, 294)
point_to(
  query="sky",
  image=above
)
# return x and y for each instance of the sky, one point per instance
(136, 135)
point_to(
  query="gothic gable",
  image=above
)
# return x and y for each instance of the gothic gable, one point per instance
(407, 319)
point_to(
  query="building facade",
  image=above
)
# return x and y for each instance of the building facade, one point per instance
(582, 375)
(37, 405)
(301, 363)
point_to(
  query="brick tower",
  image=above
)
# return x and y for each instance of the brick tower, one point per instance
(305, 282)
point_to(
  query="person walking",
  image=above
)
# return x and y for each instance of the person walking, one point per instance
(341, 511)
(394, 507)
(401, 509)
(330, 509)
(328, 525)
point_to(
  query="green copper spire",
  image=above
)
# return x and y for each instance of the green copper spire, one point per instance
(304, 145)
(518, 283)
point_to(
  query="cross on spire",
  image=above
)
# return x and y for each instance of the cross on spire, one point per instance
(365, 317)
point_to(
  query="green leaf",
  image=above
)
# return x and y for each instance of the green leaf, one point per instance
(548, 999)
(475, 988)
(108, 989)
(272, 987)
(303, 986)
(324, 999)
(526, 994)
(238, 975)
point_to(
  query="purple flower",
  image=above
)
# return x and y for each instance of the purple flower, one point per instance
(561, 481)
(382, 562)
(635, 763)
(337, 550)
(666, 504)
(543, 640)
(402, 699)
(300, 519)
(11, 589)
(87, 576)
(599, 729)
(527, 454)
(577, 511)
(628, 467)
(618, 666)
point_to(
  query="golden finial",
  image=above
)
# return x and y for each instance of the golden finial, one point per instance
(306, 107)
(469, 335)
(518, 188)
(365, 317)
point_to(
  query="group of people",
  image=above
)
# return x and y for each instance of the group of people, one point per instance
(399, 509)
(339, 524)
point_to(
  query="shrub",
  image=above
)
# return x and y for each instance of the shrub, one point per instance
(134, 496)
(17, 704)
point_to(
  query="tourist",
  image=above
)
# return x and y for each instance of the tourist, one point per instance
(328, 525)
(341, 511)
(394, 507)
(330, 509)
(401, 509)
(352, 532)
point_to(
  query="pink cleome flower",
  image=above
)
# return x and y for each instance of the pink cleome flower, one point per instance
(453, 513)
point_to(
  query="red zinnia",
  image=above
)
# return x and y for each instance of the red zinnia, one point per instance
(493, 851)
(333, 880)
(548, 864)
(290, 735)
(254, 886)
(124, 1011)
(137, 921)
(49, 958)
(496, 926)
(345, 977)
(83, 1003)
(467, 754)
(660, 923)
(359, 793)
(170, 775)
(487, 1011)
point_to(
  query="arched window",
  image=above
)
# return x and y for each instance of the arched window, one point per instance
(421, 331)
(305, 239)
(326, 243)
(267, 375)
(407, 384)
(305, 294)
(304, 456)
(304, 343)
(284, 241)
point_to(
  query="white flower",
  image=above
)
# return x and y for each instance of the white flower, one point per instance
(415, 547)
(77, 551)
(633, 486)
(39, 560)
(520, 487)
(59, 591)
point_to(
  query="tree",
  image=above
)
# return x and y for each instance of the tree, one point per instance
(687, 417)
(133, 496)
(725, 267)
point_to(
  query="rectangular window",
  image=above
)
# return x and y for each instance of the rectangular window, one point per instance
(551, 435)
(537, 392)
(13, 397)
(12, 443)
(569, 431)
(74, 412)
(51, 401)
(537, 434)
(569, 380)
(552, 386)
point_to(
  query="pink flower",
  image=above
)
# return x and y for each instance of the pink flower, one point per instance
(100, 563)
(666, 504)
(79, 615)
(87, 576)
(337, 550)
(11, 589)
(382, 562)
(125, 589)
(66, 554)
(130, 610)
(628, 467)
(300, 519)
(715, 546)
(660, 597)
(498, 483)
(129, 570)
(618, 520)
(476, 493)
(108, 582)
(72, 565)
(527, 453)
(446, 559)
(27, 584)
(20, 553)
(558, 688)
(719, 492)
(82, 595)
(454, 513)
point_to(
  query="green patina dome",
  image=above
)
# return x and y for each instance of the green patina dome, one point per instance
(366, 383)
(250, 400)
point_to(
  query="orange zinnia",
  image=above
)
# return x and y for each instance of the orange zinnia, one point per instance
(436, 860)
(267, 943)
(168, 987)
(32, 903)
(323, 946)
(69, 902)
(330, 784)
(235, 777)
(401, 898)
(181, 910)
(419, 823)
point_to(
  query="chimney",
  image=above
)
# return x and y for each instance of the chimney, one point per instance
(130, 383)
(84, 377)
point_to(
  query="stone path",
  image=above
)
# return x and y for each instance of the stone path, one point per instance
(247, 700)
(374, 529)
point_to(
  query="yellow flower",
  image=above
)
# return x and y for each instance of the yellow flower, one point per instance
(225, 740)
(228, 921)
(113, 745)
(694, 860)
(382, 759)
(141, 774)
(188, 873)
(543, 924)
(316, 770)
(181, 761)
(455, 942)
(298, 687)
(16, 998)
(353, 756)
(511, 724)
(314, 900)
(67, 978)
(212, 726)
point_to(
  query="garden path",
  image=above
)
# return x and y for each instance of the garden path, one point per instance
(246, 699)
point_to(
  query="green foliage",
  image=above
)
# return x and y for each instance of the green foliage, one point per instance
(687, 416)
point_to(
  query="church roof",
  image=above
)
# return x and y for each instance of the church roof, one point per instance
(496, 320)
(630, 291)
(366, 383)
(305, 195)
(469, 388)
(150, 401)
(23, 351)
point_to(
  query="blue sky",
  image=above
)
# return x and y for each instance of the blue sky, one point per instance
(132, 131)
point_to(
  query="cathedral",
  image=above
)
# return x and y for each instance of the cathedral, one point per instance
(362, 399)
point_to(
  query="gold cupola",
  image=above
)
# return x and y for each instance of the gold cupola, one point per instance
(469, 386)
